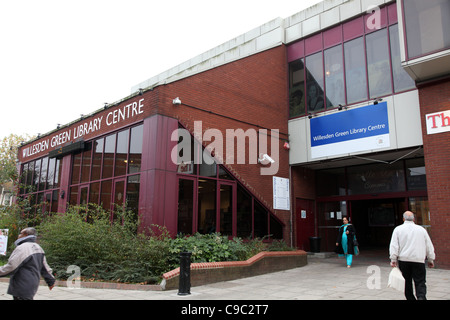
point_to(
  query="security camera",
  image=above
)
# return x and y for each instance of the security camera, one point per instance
(265, 158)
(176, 101)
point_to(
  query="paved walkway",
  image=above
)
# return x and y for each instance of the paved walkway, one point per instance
(321, 279)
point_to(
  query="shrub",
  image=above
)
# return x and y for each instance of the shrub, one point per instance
(113, 250)
(103, 250)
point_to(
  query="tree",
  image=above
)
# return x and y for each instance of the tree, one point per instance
(8, 157)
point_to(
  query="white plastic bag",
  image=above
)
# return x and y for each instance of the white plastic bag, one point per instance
(396, 280)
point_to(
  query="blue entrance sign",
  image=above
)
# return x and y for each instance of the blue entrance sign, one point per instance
(354, 130)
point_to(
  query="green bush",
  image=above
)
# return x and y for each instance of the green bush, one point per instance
(106, 250)
(103, 250)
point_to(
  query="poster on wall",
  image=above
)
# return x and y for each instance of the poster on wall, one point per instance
(3, 241)
(281, 199)
(353, 130)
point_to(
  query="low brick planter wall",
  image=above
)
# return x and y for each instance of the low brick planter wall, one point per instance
(210, 272)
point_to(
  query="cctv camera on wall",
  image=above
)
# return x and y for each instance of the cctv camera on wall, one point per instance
(265, 159)
(176, 101)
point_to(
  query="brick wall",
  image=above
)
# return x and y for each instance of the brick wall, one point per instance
(435, 97)
(252, 90)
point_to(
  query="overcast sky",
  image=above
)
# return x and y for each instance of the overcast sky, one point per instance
(60, 58)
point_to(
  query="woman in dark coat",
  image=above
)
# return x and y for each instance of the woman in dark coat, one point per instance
(345, 241)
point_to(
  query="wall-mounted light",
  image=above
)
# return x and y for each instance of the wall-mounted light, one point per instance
(141, 91)
(341, 107)
(310, 116)
(176, 101)
(375, 102)
(58, 126)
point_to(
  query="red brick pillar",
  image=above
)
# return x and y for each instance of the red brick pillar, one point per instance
(435, 97)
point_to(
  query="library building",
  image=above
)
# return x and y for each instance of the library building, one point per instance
(340, 110)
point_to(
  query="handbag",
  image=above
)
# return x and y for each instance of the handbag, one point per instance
(396, 280)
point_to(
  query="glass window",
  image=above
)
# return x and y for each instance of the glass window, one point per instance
(132, 198)
(105, 196)
(94, 192)
(244, 214)
(208, 167)
(37, 174)
(402, 80)
(314, 82)
(276, 228)
(86, 163)
(108, 156)
(261, 221)
(355, 70)
(58, 173)
(44, 169)
(370, 179)
(334, 77)
(226, 209)
(97, 159)
(76, 165)
(121, 153)
(330, 182)
(51, 173)
(297, 88)
(415, 174)
(207, 206)
(378, 64)
(419, 205)
(136, 143)
(427, 24)
(185, 206)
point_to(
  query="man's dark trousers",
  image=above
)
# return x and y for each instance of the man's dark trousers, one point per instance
(414, 271)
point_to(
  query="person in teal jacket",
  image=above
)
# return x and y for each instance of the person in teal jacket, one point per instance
(345, 241)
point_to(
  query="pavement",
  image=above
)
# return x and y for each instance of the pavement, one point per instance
(325, 277)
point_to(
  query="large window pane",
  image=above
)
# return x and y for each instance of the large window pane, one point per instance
(206, 206)
(314, 82)
(334, 77)
(185, 206)
(261, 221)
(415, 174)
(86, 163)
(402, 80)
(137, 136)
(44, 169)
(378, 64)
(355, 71)
(37, 174)
(108, 156)
(51, 173)
(331, 182)
(76, 165)
(296, 88)
(105, 196)
(133, 188)
(427, 24)
(122, 153)
(97, 159)
(226, 209)
(94, 192)
(371, 179)
(244, 214)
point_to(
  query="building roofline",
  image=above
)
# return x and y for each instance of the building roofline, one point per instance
(272, 34)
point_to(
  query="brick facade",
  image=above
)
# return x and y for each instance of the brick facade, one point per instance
(249, 93)
(435, 97)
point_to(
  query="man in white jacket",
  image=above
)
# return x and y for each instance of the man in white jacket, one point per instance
(410, 247)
